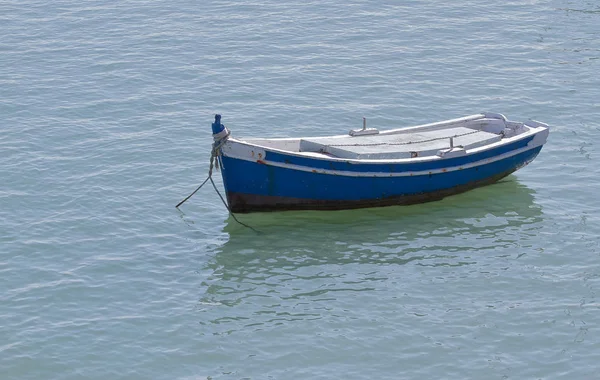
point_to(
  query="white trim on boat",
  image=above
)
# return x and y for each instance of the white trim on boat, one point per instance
(252, 152)
(258, 155)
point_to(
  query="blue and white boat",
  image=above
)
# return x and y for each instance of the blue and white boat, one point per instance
(369, 168)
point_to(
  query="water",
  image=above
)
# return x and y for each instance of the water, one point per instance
(106, 109)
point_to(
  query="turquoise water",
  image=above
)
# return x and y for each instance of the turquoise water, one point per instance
(106, 108)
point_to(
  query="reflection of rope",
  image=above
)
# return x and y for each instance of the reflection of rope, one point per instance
(214, 161)
(406, 143)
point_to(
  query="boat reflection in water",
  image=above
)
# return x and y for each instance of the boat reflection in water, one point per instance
(483, 217)
(308, 266)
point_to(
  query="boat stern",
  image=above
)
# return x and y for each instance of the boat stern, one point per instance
(542, 131)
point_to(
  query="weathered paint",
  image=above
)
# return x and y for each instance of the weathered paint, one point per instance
(245, 203)
(254, 187)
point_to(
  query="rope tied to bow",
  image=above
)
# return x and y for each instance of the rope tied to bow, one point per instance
(214, 162)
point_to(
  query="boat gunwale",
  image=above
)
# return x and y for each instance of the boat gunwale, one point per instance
(532, 131)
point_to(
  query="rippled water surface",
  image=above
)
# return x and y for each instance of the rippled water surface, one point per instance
(105, 112)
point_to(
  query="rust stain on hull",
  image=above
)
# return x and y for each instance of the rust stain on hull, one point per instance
(245, 203)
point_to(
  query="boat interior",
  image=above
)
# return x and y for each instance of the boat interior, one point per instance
(443, 139)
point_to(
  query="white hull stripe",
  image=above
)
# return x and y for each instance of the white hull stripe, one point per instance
(388, 174)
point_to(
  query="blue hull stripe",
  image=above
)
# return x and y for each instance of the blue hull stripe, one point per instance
(247, 177)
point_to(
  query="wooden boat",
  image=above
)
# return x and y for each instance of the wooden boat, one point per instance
(369, 168)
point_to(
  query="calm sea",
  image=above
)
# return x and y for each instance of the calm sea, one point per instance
(105, 112)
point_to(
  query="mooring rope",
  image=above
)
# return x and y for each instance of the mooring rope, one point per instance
(214, 162)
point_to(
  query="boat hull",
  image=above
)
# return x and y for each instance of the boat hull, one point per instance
(254, 186)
